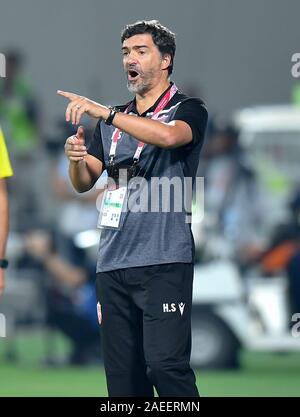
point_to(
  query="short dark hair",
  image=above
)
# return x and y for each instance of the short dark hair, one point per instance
(162, 37)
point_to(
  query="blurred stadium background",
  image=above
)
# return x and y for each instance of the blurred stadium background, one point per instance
(237, 57)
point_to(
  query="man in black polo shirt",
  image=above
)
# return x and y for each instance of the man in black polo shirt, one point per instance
(145, 262)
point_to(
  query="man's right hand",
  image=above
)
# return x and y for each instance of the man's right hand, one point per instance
(75, 148)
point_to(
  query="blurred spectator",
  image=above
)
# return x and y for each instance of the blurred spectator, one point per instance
(18, 107)
(70, 295)
(283, 253)
(20, 120)
(234, 205)
(5, 171)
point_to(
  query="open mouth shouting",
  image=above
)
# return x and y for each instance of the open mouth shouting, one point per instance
(132, 75)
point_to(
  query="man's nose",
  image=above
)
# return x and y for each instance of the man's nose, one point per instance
(131, 59)
(131, 62)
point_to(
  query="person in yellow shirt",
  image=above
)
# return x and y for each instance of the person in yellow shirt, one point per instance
(5, 171)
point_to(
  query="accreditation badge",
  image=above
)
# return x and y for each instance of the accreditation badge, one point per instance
(113, 205)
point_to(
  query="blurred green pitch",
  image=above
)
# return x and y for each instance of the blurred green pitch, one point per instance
(262, 374)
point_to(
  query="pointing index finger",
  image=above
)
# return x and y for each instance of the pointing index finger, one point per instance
(70, 96)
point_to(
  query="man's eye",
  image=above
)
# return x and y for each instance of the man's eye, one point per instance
(141, 52)
(125, 53)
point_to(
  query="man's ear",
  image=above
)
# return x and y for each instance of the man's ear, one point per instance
(166, 61)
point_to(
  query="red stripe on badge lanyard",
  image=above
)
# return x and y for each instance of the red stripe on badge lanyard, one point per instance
(117, 132)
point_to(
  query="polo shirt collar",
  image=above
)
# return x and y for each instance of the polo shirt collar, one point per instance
(152, 108)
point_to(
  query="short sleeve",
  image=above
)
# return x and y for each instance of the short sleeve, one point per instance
(96, 147)
(193, 112)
